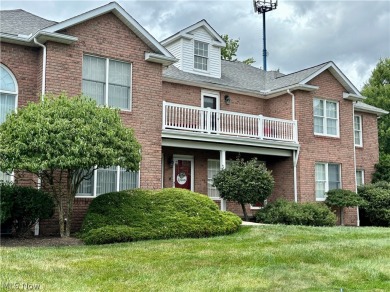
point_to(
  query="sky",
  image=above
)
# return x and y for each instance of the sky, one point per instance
(300, 34)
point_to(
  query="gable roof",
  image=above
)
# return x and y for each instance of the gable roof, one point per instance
(246, 79)
(32, 26)
(20, 22)
(126, 18)
(185, 33)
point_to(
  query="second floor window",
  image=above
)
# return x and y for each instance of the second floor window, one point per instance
(201, 54)
(358, 131)
(326, 117)
(107, 81)
(8, 93)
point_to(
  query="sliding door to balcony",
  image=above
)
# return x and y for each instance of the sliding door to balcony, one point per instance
(210, 102)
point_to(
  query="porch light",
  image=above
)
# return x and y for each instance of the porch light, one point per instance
(227, 99)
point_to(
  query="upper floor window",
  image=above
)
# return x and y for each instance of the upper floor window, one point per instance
(8, 92)
(326, 117)
(328, 177)
(201, 54)
(107, 81)
(358, 130)
(106, 180)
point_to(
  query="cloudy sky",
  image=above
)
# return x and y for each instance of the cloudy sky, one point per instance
(300, 34)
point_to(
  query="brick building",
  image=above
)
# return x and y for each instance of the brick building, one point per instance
(191, 111)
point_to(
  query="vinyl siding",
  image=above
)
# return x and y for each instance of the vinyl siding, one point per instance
(175, 49)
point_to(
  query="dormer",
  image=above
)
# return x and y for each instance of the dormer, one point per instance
(198, 49)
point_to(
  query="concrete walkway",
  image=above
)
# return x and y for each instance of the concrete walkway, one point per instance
(247, 223)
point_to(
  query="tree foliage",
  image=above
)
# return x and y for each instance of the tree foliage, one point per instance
(377, 91)
(62, 140)
(230, 50)
(343, 198)
(244, 182)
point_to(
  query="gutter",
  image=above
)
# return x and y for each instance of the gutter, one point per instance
(43, 68)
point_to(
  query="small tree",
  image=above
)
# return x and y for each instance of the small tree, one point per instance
(343, 198)
(63, 140)
(244, 183)
(230, 50)
(382, 169)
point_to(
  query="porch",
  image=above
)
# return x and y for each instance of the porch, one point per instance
(218, 124)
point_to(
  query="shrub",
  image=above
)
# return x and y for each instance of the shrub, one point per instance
(376, 210)
(343, 198)
(23, 206)
(244, 183)
(382, 169)
(291, 213)
(143, 214)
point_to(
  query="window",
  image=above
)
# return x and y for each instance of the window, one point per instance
(201, 53)
(105, 180)
(5, 177)
(107, 81)
(212, 169)
(327, 178)
(326, 117)
(8, 93)
(358, 130)
(359, 177)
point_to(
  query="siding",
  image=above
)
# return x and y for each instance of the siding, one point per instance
(175, 49)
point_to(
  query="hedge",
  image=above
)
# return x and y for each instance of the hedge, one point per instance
(143, 214)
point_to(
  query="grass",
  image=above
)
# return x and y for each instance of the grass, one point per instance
(260, 258)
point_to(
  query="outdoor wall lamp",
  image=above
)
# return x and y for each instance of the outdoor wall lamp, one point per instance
(227, 99)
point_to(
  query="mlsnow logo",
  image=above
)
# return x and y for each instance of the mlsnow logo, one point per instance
(20, 286)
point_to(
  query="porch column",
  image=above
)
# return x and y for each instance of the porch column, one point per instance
(222, 165)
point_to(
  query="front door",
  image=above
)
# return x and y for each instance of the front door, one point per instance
(183, 173)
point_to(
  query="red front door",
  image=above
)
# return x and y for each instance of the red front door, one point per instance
(183, 174)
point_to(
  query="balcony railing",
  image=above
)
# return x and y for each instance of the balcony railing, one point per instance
(206, 120)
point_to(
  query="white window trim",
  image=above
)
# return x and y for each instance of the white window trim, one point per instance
(94, 187)
(325, 119)
(213, 198)
(16, 92)
(210, 93)
(177, 157)
(107, 65)
(362, 171)
(360, 131)
(326, 179)
(207, 58)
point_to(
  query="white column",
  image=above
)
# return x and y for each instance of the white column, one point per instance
(222, 165)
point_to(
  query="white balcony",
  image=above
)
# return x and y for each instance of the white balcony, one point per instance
(205, 120)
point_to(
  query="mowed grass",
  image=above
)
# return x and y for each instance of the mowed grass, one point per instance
(259, 258)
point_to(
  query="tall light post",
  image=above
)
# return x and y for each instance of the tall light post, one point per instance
(261, 7)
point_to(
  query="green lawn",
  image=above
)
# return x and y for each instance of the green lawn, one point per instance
(260, 258)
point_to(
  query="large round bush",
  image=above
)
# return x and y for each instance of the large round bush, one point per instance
(142, 214)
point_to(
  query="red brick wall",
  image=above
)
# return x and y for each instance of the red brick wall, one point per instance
(368, 155)
(23, 63)
(279, 107)
(106, 36)
(324, 149)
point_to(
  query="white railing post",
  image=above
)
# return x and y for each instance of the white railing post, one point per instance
(163, 116)
(260, 127)
(295, 138)
(208, 120)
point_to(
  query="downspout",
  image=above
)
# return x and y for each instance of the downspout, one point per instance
(295, 153)
(36, 229)
(354, 161)
(43, 67)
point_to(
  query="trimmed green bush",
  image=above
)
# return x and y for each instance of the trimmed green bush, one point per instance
(382, 169)
(291, 213)
(142, 214)
(376, 210)
(23, 206)
(343, 198)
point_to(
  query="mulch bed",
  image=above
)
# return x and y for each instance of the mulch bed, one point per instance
(39, 241)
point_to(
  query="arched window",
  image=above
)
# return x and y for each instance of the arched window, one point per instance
(8, 102)
(8, 92)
